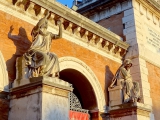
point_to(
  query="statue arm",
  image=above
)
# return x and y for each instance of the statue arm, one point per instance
(13, 37)
(60, 31)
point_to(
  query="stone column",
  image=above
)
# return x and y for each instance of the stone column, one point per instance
(128, 111)
(44, 98)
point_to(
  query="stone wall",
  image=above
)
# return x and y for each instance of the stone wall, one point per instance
(114, 24)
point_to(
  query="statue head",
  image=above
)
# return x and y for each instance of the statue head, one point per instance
(127, 63)
(42, 24)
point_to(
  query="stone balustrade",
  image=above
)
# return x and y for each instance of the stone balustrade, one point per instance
(73, 23)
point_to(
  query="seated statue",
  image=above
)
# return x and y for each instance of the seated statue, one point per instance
(130, 89)
(38, 59)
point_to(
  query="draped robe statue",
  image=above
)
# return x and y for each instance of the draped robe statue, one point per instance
(39, 60)
(131, 91)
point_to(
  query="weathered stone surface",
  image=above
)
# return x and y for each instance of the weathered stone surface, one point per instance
(115, 96)
(45, 100)
(54, 107)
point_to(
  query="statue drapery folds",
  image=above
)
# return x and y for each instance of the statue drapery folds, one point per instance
(39, 60)
(131, 91)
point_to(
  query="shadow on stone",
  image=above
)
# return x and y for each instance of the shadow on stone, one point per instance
(22, 44)
(108, 79)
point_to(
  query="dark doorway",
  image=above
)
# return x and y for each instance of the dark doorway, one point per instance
(82, 88)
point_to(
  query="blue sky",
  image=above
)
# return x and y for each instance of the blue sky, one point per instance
(66, 2)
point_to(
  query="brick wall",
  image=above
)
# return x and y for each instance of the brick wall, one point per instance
(154, 80)
(11, 48)
(114, 23)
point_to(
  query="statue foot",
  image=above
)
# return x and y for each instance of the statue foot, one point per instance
(54, 75)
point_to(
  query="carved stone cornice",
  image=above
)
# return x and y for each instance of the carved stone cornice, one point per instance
(151, 5)
(73, 23)
(49, 85)
(154, 3)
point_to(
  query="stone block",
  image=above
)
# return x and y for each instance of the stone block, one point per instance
(139, 69)
(129, 30)
(132, 51)
(139, 61)
(128, 18)
(131, 36)
(128, 12)
(144, 70)
(132, 41)
(145, 85)
(147, 100)
(146, 92)
(115, 95)
(144, 77)
(125, 5)
(130, 24)
(139, 36)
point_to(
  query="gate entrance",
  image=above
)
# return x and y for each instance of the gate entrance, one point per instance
(82, 99)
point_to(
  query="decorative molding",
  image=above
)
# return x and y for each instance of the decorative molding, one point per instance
(152, 9)
(50, 85)
(74, 63)
(55, 91)
(77, 25)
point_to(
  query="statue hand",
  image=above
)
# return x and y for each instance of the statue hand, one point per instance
(60, 21)
(11, 28)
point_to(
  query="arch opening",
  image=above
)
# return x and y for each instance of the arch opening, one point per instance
(82, 88)
(79, 68)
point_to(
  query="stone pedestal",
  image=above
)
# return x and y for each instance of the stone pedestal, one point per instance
(128, 111)
(115, 95)
(43, 98)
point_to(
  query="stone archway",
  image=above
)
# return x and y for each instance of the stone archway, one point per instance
(72, 64)
(3, 75)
